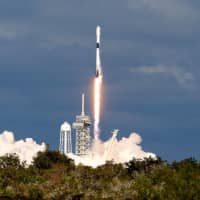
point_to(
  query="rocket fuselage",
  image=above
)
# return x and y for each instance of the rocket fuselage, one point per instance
(98, 61)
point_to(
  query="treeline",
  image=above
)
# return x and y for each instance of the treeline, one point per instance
(53, 176)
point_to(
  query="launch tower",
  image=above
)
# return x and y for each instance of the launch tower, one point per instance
(82, 127)
(65, 146)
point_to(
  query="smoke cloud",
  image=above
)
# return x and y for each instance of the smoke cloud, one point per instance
(25, 149)
(118, 151)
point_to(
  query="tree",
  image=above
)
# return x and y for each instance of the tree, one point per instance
(45, 160)
(10, 160)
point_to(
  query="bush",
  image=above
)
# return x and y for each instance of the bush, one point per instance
(35, 193)
(44, 160)
(10, 160)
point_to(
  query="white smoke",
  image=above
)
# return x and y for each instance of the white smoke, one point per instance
(118, 151)
(25, 149)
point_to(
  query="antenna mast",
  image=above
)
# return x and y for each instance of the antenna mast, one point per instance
(83, 105)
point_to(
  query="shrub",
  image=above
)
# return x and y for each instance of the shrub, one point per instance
(35, 193)
(44, 160)
(10, 160)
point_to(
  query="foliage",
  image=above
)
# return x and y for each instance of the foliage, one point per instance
(35, 193)
(45, 160)
(10, 160)
(54, 176)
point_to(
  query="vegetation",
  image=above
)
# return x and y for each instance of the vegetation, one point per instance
(54, 176)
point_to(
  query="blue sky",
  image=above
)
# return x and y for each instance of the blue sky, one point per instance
(150, 57)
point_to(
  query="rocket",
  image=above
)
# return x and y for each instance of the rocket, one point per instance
(99, 72)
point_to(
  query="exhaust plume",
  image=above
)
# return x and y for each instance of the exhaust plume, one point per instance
(119, 151)
(97, 106)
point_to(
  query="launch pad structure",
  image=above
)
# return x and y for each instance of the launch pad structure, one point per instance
(82, 127)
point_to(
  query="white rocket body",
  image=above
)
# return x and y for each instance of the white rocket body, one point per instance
(98, 60)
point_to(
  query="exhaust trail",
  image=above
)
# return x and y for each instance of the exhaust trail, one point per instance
(97, 86)
(97, 106)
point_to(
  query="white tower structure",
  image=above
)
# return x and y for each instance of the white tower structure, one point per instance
(82, 127)
(65, 146)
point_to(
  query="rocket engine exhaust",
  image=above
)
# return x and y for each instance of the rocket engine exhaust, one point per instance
(97, 86)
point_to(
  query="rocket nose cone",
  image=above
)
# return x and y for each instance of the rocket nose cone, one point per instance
(98, 30)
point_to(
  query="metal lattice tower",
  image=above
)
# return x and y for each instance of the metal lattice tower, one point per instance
(65, 146)
(82, 127)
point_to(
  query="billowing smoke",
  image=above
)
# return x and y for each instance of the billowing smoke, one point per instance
(25, 149)
(118, 151)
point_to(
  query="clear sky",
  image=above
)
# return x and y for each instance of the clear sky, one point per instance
(150, 57)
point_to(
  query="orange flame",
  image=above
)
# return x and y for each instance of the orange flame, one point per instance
(97, 105)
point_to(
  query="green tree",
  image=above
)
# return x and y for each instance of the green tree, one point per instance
(10, 160)
(45, 160)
